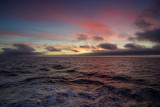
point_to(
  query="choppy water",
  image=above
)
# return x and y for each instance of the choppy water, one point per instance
(80, 81)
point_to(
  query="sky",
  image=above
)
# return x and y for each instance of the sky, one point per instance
(80, 27)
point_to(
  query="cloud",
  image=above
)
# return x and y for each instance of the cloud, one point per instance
(142, 24)
(52, 11)
(52, 49)
(156, 47)
(70, 49)
(149, 35)
(144, 51)
(96, 26)
(60, 48)
(98, 38)
(87, 47)
(108, 46)
(21, 49)
(131, 49)
(73, 50)
(133, 46)
(149, 24)
(149, 17)
(84, 46)
(82, 37)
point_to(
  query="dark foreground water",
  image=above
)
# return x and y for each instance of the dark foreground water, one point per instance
(80, 82)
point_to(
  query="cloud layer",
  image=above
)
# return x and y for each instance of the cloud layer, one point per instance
(82, 37)
(133, 46)
(108, 46)
(60, 27)
(129, 49)
(145, 51)
(149, 24)
(21, 49)
(149, 35)
(52, 49)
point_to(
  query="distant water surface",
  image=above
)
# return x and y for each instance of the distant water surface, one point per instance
(79, 81)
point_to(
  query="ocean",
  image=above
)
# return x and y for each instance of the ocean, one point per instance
(45, 81)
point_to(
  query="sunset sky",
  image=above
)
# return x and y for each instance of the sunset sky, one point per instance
(88, 27)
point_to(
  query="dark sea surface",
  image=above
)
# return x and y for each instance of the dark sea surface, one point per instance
(38, 81)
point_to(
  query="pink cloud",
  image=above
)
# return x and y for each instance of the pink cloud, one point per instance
(48, 13)
(96, 26)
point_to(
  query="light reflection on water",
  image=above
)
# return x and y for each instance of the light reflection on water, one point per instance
(79, 81)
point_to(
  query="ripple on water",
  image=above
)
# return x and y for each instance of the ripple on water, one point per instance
(79, 82)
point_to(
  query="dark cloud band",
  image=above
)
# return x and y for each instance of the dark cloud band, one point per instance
(21, 49)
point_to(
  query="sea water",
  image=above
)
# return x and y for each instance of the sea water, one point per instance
(38, 81)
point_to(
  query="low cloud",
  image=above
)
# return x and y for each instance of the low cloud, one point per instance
(133, 46)
(70, 49)
(132, 49)
(108, 46)
(147, 51)
(98, 38)
(149, 35)
(156, 47)
(82, 37)
(21, 49)
(73, 50)
(85, 46)
(52, 49)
